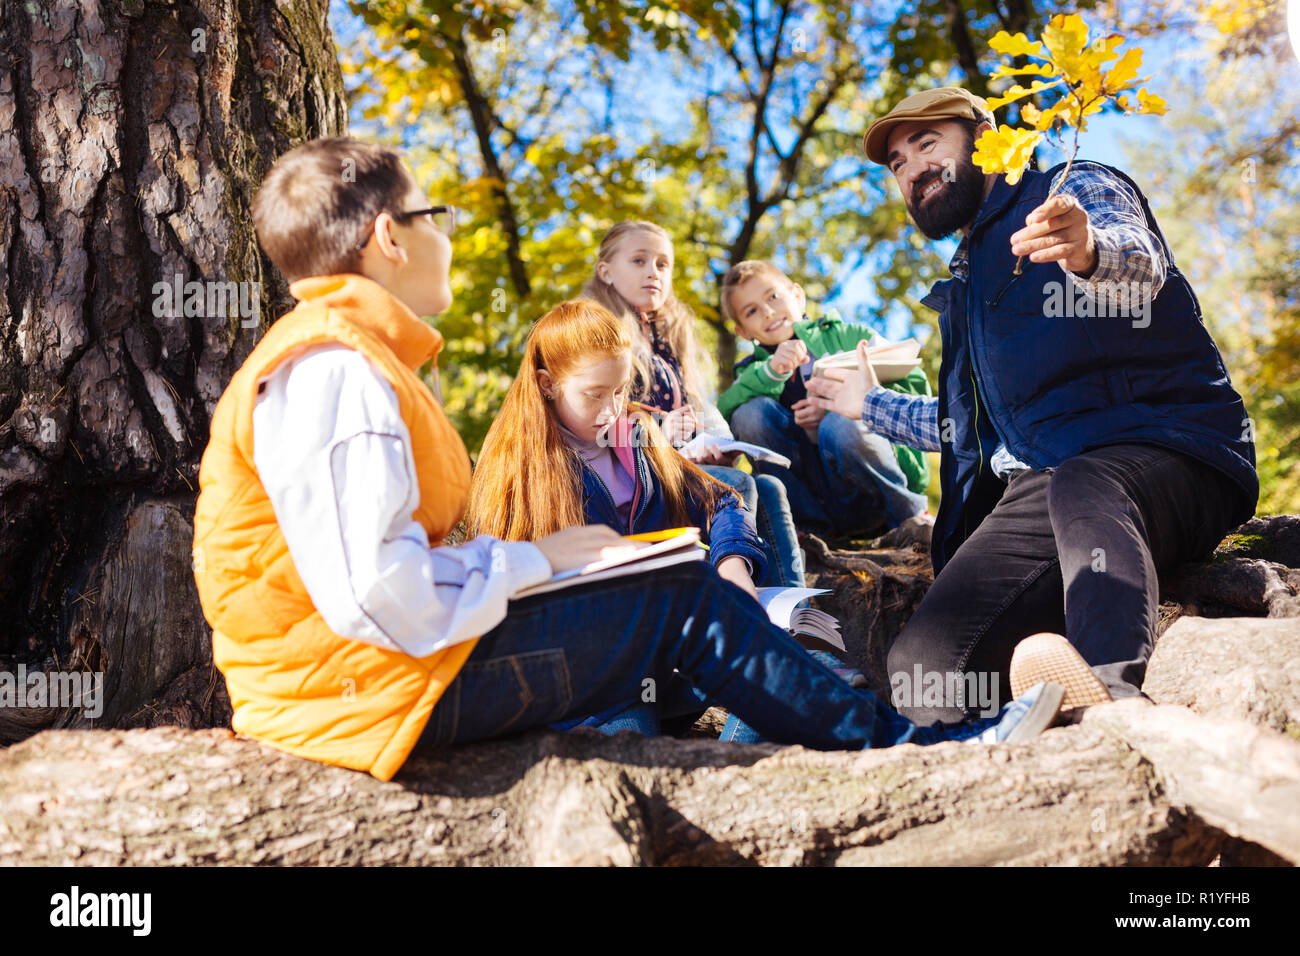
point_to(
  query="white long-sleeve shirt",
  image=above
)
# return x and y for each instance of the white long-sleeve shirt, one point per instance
(334, 456)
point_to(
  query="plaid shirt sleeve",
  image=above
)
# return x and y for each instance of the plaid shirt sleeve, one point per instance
(1128, 252)
(905, 419)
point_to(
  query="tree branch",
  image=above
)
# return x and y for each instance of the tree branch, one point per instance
(480, 111)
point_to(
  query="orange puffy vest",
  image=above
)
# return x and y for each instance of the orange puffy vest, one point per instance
(293, 682)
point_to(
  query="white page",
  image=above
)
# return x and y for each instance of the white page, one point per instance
(642, 551)
(779, 602)
(757, 452)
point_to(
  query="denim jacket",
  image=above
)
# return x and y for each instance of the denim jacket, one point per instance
(728, 531)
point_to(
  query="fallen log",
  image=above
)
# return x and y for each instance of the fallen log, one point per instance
(1239, 668)
(1095, 794)
(1237, 777)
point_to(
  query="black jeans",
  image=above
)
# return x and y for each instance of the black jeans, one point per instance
(1076, 551)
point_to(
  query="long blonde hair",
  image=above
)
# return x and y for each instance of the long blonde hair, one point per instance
(676, 318)
(527, 481)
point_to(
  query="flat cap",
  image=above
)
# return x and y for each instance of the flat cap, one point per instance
(946, 102)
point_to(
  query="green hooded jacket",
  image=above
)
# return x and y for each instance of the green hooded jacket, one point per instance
(825, 336)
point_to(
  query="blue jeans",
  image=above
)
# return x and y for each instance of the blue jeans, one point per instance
(678, 700)
(601, 646)
(737, 731)
(765, 498)
(850, 472)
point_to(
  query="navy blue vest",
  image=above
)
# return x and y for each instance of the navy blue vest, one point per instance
(1052, 385)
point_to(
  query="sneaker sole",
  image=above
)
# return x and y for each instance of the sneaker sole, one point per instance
(1040, 715)
(1050, 657)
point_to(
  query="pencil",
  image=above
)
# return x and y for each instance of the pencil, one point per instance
(647, 408)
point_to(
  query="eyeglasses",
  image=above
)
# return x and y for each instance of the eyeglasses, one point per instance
(444, 220)
(444, 217)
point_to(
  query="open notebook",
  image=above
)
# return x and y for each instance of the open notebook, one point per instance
(725, 445)
(660, 549)
(676, 545)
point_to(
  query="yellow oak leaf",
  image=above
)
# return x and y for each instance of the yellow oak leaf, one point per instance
(1150, 103)
(1124, 73)
(1016, 92)
(1104, 49)
(1004, 42)
(1066, 36)
(1005, 150)
(1032, 69)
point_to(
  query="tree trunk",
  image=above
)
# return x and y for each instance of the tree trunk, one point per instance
(1134, 784)
(133, 134)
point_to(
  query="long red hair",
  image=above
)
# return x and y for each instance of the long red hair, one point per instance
(527, 481)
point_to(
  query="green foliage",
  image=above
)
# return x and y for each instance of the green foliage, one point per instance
(528, 117)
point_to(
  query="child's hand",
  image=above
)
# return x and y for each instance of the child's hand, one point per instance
(707, 454)
(735, 570)
(807, 414)
(679, 425)
(843, 390)
(789, 355)
(575, 547)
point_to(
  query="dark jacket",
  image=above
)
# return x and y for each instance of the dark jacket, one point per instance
(728, 530)
(1051, 388)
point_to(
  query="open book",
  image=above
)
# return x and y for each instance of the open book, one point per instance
(780, 606)
(891, 360)
(725, 445)
(676, 545)
(664, 548)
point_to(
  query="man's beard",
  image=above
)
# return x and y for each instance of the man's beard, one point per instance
(954, 207)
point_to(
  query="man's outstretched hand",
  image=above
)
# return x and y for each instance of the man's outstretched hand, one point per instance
(1058, 231)
(844, 389)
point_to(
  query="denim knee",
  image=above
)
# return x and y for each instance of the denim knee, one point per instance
(757, 418)
(841, 437)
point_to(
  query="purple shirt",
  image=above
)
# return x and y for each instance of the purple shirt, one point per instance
(602, 460)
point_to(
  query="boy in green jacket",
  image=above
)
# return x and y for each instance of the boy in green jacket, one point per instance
(838, 467)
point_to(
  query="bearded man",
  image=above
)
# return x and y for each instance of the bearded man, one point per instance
(1090, 437)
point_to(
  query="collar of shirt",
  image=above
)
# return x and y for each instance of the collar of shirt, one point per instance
(590, 450)
(959, 264)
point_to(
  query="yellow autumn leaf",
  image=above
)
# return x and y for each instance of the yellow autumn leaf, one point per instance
(1234, 16)
(1043, 120)
(1017, 45)
(1150, 103)
(1065, 37)
(1005, 150)
(1124, 73)
(1017, 92)
(1104, 49)
(1033, 69)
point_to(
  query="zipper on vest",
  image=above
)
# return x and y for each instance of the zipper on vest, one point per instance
(1003, 291)
(978, 444)
(970, 331)
(605, 488)
(636, 493)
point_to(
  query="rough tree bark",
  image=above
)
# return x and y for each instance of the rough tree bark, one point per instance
(133, 134)
(1136, 784)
